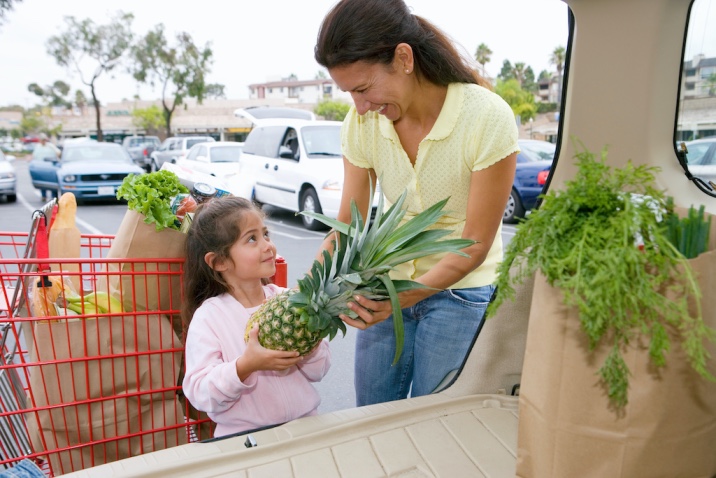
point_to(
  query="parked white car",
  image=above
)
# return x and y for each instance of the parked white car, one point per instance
(294, 164)
(701, 158)
(220, 158)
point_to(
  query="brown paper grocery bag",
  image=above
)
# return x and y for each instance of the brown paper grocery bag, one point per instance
(104, 379)
(145, 286)
(566, 428)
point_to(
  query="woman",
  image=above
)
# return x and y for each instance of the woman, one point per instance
(422, 121)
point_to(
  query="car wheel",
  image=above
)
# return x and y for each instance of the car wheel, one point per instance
(514, 209)
(255, 201)
(309, 202)
(11, 197)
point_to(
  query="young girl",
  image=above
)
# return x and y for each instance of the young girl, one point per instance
(241, 386)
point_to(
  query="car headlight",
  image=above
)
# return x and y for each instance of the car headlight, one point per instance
(333, 185)
(7, 175)
(70, 178)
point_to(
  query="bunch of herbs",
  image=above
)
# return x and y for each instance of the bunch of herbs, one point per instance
(587, 241)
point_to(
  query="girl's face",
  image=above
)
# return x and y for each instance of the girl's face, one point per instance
(253, 255)
(376, 87)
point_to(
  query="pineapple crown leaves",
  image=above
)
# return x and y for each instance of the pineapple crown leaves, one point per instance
(364, 254)
(584, 241)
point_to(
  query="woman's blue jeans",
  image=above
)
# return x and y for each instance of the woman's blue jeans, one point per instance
(439, 331)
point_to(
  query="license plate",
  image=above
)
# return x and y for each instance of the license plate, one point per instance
(105, 191)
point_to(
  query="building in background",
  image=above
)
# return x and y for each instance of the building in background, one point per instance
(212, 117)
(295, 91)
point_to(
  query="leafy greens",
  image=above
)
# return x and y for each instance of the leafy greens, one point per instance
(151, 194)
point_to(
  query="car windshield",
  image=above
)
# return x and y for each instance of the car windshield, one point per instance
(225, 154)
(94, 153)
(135, 142)
(696, 154)
(538, 150)
(322, 140)
(192, 142)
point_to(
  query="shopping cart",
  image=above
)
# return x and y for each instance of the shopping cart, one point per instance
(83, 387)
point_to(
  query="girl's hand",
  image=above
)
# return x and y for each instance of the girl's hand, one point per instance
(256, 358)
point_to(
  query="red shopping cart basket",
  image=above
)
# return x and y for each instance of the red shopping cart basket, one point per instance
(90, 381)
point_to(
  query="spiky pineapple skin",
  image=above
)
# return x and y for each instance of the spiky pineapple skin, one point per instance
(280, 328)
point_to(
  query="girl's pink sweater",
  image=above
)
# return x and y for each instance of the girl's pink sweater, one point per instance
(215, 340)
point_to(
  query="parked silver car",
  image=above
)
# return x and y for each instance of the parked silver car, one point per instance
(175, 148)
(8, 178)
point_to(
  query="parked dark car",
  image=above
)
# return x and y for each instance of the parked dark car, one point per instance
(140, 149)
(174, 149)
(533, 165)
(90, 170)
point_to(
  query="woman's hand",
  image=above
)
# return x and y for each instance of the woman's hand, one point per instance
(256, 357)
(371, 312)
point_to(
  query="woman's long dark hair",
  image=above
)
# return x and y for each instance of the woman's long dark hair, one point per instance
(369, 30)
(215, 228)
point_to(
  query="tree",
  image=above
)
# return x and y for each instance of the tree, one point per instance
(507, 72)
(215, 91)
(522, 102)
(5, 7)
(557, 59)
(482, 56)
(104, 44)
(80, 100)
(321, 74)
(332, 110)
(31, 123)
(179, 70)
(518, 72)
(711, 83)
(52, 95)
(148, 119)
(529, 83)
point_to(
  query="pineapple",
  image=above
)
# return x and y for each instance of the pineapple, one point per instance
(362, 259)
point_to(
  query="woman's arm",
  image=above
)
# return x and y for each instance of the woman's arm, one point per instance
(489, 190)
(356, 186)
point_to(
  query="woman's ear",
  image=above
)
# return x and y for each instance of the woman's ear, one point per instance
(403, 58)
(211, 261)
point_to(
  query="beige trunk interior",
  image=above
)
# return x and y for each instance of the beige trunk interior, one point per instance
(473, 436)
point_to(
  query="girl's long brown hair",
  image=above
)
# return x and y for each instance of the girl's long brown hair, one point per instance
(370, 30)
(215, 228)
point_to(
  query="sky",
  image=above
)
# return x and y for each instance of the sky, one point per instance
(259, 41)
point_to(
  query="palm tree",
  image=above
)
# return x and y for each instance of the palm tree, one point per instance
(711, 82)
(482, 56)
(518, 72)
(557, 59)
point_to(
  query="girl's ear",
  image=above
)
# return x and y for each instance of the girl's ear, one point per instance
(211, 261)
